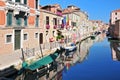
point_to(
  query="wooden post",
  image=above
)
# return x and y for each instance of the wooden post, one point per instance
(41, 50)
(23, 57)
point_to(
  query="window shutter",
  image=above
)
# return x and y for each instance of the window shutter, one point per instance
(9, 19)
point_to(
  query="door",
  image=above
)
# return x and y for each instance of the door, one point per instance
(17, 39)
(41, 38)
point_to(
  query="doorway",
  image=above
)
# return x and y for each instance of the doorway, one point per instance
(17, 42)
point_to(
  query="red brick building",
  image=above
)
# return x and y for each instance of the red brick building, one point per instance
(19, 25)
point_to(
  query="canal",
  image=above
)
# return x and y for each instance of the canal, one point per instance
(98, 60)
(95, 59)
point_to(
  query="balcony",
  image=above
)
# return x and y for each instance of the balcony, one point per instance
(10, 5)
(22, 7)
(37, 12)
(59, 13)
(47, 26)
(17, 6)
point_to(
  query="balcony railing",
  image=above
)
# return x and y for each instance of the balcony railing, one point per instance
(22, 7)
(37, 12)
(17, 6)
(10, 5)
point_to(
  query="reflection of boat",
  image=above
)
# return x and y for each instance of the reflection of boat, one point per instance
(118, 48)
(71, 48)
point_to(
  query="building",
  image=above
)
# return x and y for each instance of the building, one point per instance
(114, 28)
(19, 25)
(114, 16)
(51, 21)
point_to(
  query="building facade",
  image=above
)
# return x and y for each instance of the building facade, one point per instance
(114, 28)
(51, 21)
(19, 25)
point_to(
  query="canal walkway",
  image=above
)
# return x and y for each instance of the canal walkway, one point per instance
(8, 60)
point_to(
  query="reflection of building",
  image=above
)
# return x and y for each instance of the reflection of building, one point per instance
(115, 51)
(19, 25)
(84, 50)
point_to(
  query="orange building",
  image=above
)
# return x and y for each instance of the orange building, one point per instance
(19, 25)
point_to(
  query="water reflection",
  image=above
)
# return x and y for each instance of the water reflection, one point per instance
(64, 65)
(115, 50)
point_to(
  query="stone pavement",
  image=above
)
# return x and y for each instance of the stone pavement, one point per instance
(8, 60)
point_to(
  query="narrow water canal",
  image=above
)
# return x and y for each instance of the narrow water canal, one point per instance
(96, 59)
(99, 60)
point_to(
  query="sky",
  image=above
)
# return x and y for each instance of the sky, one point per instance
(96, 9)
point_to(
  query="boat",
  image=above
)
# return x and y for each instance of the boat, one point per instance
(42, 63)
(93, 37)
(71, 48)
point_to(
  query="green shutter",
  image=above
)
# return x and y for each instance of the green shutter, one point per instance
(25, 21)
(25, 1)
(17, 0)
(37, 21)
(9, 19)
(18, 21)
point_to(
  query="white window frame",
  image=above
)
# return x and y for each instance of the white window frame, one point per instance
(27, 37)
(35, 35)
(6, 38)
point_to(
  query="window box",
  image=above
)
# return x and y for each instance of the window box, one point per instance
(55, 26)
(47, 26)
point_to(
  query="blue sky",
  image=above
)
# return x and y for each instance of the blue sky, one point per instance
(96, 9)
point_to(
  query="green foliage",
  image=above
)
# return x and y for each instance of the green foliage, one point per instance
(94, 27)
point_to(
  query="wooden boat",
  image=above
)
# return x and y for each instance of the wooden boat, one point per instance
(41, 63)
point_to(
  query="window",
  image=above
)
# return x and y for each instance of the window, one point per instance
(116, 13)
(17, 0)
(9, 18)
(25, 37)
(18, 21)
(36, 35)
(8, 38)
(25, 21)
(36, 4)
(37, 21)
(54, 21)
(116, 18)
(47, 20)
(25, 1)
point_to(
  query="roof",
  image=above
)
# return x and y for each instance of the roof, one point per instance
(118, 10)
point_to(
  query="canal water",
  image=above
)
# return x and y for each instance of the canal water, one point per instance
(98, 60)
(95, 59)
